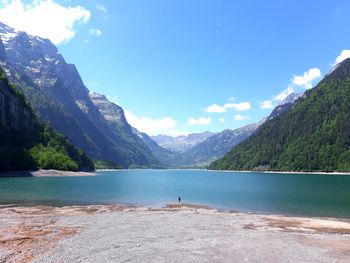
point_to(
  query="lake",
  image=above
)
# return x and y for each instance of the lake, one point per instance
(287, 194)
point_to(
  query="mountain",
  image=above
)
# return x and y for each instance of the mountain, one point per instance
(217, 145)
(26, 144)
(58, 95)
(118, 124)
(168, 158)
(221, 143)
(285, 105)
(181, 143)
(312, 136)
(201, 149)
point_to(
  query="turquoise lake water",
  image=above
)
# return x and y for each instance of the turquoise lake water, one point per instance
(308, 195)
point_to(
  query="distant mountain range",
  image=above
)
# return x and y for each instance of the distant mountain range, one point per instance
(200, 149)
(312, 136)
(58, 95)
(166, 157)
(220, 143)
(181, 143)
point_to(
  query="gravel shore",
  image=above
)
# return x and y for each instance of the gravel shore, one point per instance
(44, 173)
(176, 233)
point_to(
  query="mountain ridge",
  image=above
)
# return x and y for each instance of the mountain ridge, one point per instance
(311, 136)
(181, 143)
(59, 96)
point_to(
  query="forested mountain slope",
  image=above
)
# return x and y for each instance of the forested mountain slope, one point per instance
(312, 136)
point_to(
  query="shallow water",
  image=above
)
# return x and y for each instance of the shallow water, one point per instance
(308, 195)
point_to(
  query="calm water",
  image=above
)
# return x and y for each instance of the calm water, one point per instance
(312, 195)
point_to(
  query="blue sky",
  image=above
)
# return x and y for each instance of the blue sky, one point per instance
(167, 62)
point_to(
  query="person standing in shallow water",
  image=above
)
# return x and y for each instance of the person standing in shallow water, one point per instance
(179, 199)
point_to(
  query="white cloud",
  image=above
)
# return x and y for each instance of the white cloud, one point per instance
(165, 125)
(231, 98)
(101, 8)
(239, 117)
(199, 121)
(215, 108)
(305, 80)
(221, 120)
(343, 55)
(95, 32)
(266, 104)
(44, 18)
(284, 94)
(243, 106)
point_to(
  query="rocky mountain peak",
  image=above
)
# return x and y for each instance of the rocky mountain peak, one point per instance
(291, 98)
(7, 33)
(97, 96)
(340, 71)
(285, 105)
(60, 97)
(110, 111)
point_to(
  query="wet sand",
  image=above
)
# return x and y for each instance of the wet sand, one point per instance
(176, 233)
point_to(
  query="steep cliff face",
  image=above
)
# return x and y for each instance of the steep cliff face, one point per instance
(3, 55)
(113, 113)
(25, 143)
(119, 126)
(59, 96)
(15, 116)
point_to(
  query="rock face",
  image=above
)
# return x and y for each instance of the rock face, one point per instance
(15, 115)
(3, 55)
(119, 126)
(181, 143)
(312, 136)
(25, 143)
(59, 96)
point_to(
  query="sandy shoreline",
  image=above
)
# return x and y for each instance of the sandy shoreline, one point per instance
(186, 233)
(44, 173)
